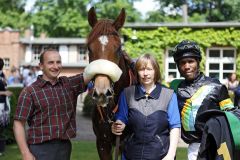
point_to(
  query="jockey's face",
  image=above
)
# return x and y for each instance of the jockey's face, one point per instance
(188, 68)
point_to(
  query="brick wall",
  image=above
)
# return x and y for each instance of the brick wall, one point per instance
(10, 48)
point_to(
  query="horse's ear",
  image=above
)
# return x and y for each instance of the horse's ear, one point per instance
(92, 17)
(118, 23)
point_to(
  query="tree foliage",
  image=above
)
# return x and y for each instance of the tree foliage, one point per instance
(68, 18)
(60, 18)
(12, 14)
(111, 9)
(206, 10)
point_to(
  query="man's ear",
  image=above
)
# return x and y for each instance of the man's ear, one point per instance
(40, 65)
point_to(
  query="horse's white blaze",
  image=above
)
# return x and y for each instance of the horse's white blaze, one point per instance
(104, 41)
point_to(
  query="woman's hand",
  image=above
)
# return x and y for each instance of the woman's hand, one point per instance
(168, 157)
(118, 127)
(8, 93)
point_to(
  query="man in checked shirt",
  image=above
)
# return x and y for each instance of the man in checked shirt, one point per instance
(49, 107)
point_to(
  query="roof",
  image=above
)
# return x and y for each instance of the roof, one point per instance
(8, 29)
(53, 40)
(181, 25)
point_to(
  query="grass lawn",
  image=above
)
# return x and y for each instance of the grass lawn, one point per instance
(82, 150)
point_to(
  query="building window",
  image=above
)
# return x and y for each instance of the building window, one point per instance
(6, 63)
(83, 54)
(38, 49)
(171, 71)
(220, 62)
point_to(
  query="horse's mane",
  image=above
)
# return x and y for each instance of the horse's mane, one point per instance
(102, 27)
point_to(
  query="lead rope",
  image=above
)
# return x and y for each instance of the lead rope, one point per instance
(100, 112)
(132, 80)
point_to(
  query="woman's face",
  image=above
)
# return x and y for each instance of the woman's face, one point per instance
(146, 74)
(233, 77)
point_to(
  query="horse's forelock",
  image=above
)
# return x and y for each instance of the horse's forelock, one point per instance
(103, 27)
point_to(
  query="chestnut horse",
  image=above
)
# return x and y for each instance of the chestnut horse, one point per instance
(104, 43)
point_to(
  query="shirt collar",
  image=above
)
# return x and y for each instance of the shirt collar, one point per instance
(42, 82)
(141, 93)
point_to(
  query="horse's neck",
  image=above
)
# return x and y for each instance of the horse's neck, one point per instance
(124, 80)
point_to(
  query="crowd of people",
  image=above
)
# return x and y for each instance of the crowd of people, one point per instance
(155, 115)
(24, 75)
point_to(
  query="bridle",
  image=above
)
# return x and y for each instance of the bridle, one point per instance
(109, 95)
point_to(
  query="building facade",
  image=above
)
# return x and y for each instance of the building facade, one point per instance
(19, 51)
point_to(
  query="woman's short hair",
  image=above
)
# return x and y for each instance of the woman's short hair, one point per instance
(142, 62)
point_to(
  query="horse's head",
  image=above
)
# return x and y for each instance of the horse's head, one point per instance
(104, 43)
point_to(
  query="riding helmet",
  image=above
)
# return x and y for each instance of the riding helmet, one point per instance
(185, 49)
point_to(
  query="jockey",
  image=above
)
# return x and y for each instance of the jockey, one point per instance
(196, 93)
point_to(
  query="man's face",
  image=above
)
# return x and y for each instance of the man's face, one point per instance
(188, 68)
(51, 65)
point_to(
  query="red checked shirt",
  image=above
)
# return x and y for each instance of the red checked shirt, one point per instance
(50, 110)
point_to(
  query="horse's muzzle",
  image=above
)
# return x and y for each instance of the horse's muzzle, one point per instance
(102, 99)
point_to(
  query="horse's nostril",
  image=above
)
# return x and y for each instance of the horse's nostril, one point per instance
(109, 93)
(94, 94)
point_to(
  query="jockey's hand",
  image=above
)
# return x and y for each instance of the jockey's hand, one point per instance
(118, 127)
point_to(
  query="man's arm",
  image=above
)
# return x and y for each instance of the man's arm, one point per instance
(225, 102)
(20, 136)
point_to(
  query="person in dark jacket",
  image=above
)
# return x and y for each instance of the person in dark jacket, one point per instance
(3, 118)
(151, 113)
(196, 93)
(237, 96)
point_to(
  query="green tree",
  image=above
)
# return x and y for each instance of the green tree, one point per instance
(60, 18)
(12, 14)
(68, 18)
(204, 10)
(111, 8)
(14, 5)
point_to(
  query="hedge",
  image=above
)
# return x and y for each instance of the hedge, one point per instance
(8, 132)
(156, 41)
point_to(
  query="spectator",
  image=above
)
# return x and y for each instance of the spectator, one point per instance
(14, 78)
(237, 96)
(4, 107)
(2, 75)
(232, 84)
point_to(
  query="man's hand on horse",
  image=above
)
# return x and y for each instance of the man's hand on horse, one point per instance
(118, 127)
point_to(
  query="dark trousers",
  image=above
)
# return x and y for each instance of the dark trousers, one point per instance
(52, 150)
(2, 140)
